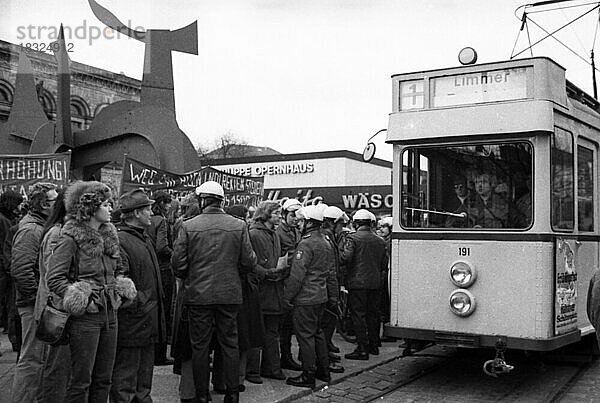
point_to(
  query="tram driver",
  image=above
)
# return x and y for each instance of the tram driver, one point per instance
(461, 202)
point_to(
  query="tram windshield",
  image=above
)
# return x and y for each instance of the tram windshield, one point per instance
(470, 186)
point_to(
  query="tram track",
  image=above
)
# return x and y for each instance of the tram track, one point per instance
(460, 378)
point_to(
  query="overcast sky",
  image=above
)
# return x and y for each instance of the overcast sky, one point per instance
(299, 75)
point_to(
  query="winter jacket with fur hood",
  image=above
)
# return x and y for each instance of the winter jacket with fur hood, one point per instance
(24, 261)
(96, 253)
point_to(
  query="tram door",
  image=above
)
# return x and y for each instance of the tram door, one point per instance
(585, 247)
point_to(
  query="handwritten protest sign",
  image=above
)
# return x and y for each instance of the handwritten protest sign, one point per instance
(21, 172)
(238, 189)
(136, 174)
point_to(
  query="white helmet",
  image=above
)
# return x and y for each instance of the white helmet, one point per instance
(291, 205)
(386, 221)
(310, 213)
(335, 213)
(322, 207)
(211, 189)
(363, 214)
(373, 218)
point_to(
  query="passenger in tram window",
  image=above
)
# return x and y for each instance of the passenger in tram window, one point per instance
(523, 211)
(490, 209)
(461, 202)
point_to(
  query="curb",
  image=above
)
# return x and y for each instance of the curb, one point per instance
(305, 392)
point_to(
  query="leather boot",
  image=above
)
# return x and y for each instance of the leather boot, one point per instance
(287, 362)
(357, 354)
(332, 348)
(336, 368)
(305, 380)
(323, 375)
(232, 397)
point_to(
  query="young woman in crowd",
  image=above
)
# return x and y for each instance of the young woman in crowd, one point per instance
(81, 271)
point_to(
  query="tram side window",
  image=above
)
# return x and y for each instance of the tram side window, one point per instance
(562, 180)
(471, 186)
(585, 188)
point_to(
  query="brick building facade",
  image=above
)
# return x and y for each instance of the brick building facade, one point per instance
(91, 88)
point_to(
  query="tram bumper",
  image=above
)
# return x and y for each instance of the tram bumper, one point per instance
(480, 340)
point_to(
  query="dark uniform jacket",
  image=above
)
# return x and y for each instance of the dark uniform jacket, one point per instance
(310, 275)
(364, 254)
(335, 273)
(211, 250)
(142, 322)
(24, 261)
(265, 243)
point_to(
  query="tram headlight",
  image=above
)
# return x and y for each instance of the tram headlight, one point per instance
(462, 302)
(462, 274)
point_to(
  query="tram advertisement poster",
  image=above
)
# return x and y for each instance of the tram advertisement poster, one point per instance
(565, 305)
(21, 172)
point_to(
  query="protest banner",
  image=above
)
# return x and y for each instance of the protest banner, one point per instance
(21, 172)
(238, 189)
(246, 190)
(137, 174)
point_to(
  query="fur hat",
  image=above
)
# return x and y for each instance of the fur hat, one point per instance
(83, 198)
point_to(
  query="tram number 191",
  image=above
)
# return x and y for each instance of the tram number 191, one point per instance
(464, 251)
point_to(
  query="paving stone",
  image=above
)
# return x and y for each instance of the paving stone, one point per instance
(338, 392)
(382, 385)
(322, 393)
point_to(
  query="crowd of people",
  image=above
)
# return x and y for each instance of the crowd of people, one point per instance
(227, 289)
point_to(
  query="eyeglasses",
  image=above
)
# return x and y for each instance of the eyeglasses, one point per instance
(459, 186)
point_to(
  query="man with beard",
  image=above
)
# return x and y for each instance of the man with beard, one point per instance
(25, 274)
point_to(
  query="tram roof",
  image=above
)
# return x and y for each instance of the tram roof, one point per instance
(485, 99)
(481, 66)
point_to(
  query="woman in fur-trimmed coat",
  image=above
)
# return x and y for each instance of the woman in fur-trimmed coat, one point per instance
(81, 271)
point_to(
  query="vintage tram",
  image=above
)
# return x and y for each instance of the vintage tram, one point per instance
(496, 226)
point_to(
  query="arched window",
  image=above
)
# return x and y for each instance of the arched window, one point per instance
(6, 99)
(80, 113)
(48, 103)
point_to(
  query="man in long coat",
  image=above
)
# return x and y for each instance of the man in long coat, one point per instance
(142, 323)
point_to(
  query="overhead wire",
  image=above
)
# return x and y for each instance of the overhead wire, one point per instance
(551, 34)
(559, 41)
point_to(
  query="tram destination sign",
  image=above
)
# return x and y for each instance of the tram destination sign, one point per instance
(480, 87)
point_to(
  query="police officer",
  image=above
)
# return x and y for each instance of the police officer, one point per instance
(365, 257)
(289, 236)
(308, 289)
(334, 221)
(209, 254)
